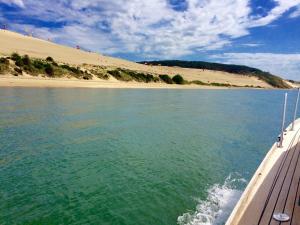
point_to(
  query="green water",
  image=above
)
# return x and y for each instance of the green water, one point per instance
(153, 157)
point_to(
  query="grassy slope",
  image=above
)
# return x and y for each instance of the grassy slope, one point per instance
(273, 80)
(20, 65)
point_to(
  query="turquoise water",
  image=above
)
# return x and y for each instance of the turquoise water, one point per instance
(161, 157)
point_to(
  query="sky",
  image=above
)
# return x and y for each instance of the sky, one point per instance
(260, 33)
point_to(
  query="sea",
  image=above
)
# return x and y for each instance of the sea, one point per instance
(131, 156)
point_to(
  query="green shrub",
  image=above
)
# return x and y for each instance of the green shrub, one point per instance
(19, 62)
(54, 64)
(49, 59)
(220, 84)
(129, 75)
(25, 63)
(15, 56)
(149, 78)
(4, 61)
(74, 71)
(120, 75)
(100, 74)
(198, 82)
(48, 67)
(178, 79)
(4, 65)
(114, 73)
(3, 68)
(26, 60)
(49, 70)
(139, 76)
(166, 78)
(38, 64)
(71, 69)
(30, 69)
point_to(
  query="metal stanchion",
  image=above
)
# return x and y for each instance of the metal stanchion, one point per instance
(283, 120)
(296, 109)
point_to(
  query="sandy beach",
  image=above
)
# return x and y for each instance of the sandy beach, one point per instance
(37, 48)
(27, 81)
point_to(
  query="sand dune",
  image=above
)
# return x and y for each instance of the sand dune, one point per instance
(34, 47)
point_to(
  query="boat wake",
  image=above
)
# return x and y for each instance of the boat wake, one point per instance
(217, 207)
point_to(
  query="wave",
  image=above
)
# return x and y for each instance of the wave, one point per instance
(217, 207)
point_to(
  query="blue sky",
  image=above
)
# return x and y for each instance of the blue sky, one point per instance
(259, 33)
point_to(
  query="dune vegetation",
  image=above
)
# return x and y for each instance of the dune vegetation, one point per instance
(130, 75)
(20, 65)
(270, 79)
(47, 67)
(4, 65)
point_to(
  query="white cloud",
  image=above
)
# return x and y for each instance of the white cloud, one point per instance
(296, 13)
(251, 44)
(78, 34)
(282, 7)
(149, 28)
(18, 3)
(285, 65)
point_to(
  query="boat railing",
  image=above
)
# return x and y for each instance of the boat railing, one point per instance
(281, 136)
(296, 110)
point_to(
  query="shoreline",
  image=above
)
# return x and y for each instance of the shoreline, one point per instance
(41, 82)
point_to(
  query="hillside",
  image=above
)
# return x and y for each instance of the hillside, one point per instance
(80, 64)
(273, 80)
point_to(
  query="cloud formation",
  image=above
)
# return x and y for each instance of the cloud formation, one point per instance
(156, 28)
(251, 44)
(285, 65)
(296, 13)
(18, 3)
(282, 6)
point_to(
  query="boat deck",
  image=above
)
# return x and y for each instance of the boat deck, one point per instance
(275, 187)
(283, 195)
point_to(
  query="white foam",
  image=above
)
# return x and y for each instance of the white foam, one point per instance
(218, 205)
